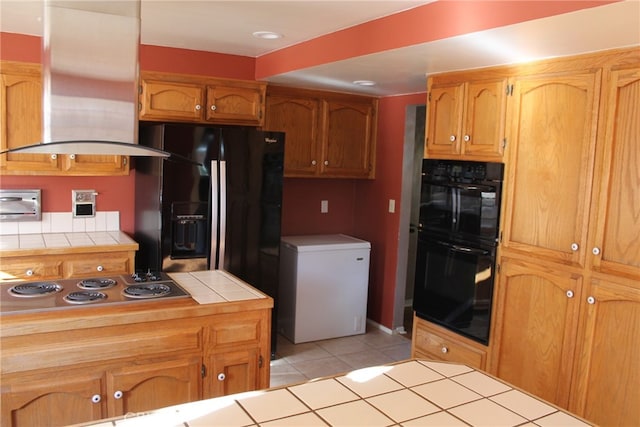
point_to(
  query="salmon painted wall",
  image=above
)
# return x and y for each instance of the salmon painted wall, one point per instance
(372, 219)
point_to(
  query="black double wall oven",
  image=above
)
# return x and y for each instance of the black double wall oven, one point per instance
(457, 240)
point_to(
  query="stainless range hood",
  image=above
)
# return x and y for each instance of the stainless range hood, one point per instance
(90, 76)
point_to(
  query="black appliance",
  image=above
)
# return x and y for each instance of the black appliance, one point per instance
(457, 239)
(221, 211)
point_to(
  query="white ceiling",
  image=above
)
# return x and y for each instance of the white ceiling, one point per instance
(226, 27)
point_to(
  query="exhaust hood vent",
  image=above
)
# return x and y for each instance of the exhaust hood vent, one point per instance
(90, 76)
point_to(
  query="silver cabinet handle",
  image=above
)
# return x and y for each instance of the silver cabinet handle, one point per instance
(118, 394)
(99, 268)
(444, 349)
(452, 138)
(96, 398)
(214, 108)
(591, 300)
(198, 107)
(569, 294)
(596, 251)
(467, 138)
(29, 273)
(221, 376)
(575, 247)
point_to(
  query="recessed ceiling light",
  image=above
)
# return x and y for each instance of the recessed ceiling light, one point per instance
(364, 83)
(269, 35)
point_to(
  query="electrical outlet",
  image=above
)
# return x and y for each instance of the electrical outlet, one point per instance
(324, 206)
(392, 205)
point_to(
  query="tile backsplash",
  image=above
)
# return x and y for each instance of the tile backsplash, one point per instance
(63, 222)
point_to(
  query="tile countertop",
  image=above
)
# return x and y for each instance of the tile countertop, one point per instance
(408, 393)
(215, 286)
(15, 243)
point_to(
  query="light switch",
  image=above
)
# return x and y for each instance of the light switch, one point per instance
(324, 206)
(392, 205)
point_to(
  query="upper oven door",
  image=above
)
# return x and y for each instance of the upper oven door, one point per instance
(466, 211)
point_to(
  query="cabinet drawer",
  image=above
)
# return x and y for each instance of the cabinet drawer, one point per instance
(441, 347)
(236, 330)
(104, 264)
(30, 268)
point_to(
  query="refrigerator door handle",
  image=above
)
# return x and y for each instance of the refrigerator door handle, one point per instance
(222, 214)
(215, 214)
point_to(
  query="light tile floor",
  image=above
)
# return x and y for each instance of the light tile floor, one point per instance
(296, 363)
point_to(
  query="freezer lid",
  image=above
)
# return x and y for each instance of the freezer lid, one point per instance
(324, 242)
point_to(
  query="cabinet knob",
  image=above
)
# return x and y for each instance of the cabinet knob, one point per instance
(596, 250)
(29, 272)
(326, 162)
(452, 138)
(96, 398)
(569, 294)
(591, 300)
(575, 247)
(198, 107)
(214, 108)
(72, 156)
(467, 138)
(444, 349)
(313, 163)
(221, 376)
(118, 394)
(54, 156)
(99, 268)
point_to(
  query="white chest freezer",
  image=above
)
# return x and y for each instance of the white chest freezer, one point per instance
(324, 281)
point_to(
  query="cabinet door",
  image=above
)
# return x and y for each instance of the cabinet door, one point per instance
(143, 386)
(484, 116)
(605, 389)
(348, 140)
(444, 119)
(63, 398)
(235, 105)
(21, 119)
(616, 248)
(535, 320)
(298, 118)
(171, 101)
(232, 372)
(551, 134)
(84, 164)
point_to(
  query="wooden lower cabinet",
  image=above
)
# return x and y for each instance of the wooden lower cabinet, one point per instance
(130, 361)
(430, 341)
(534, 328)
(607, 373)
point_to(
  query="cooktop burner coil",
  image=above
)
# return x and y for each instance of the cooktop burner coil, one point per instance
(84, 297)
(147, 290)
(35, 289)
(99, 283)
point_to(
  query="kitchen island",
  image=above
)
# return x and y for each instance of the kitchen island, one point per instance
(85, 363)
(408, 393)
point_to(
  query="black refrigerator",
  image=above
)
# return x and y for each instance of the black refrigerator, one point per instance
(216, 204)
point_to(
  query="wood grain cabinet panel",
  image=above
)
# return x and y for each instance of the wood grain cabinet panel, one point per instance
(328, 135)
(466, 116)
(171, 100)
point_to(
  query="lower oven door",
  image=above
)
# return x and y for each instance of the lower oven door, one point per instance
(454, 285)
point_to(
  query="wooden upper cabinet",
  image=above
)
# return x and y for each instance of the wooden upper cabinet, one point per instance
(466, 117)
(171, 100)
(298, 117)
(348, 139)
(551, 136)
(21, 124)
(328, 135)
(237, 104)
(198, 99)
(615, 248)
